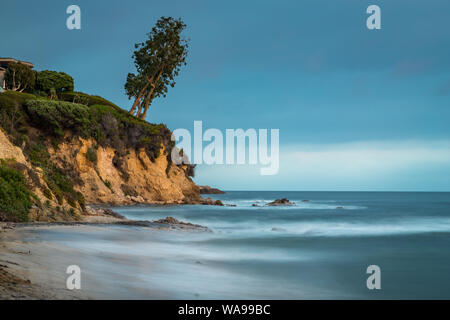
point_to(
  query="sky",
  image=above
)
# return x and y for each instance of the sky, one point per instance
(357, 109)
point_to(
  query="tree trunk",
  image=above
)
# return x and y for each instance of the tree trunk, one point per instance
(139, 101)
(147, 104)
(138, 113)
(14, 80)
(138, 98)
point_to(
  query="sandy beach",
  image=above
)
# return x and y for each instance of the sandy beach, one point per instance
(24, 267)
(32, 268)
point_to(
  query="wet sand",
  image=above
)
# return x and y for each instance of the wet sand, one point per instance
(25, 271)
(32, 268)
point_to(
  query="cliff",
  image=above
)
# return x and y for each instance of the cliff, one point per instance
(56, 157)
(139, 180)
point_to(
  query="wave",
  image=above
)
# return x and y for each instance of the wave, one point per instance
(250, 229)
(299, 204)
(360, 229)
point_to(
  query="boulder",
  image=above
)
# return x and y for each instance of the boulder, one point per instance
(281, 202)
(211, 202)
(180, 225)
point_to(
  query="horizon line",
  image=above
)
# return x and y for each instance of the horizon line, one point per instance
(419, 191)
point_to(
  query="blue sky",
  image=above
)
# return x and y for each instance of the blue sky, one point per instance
(357, 109)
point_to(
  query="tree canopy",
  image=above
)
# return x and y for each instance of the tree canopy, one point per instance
(158, 61)
(19, 77)
(59, 81)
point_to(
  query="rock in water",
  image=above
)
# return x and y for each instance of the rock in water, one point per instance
(180, 225)
(281, 202)
(211, 202)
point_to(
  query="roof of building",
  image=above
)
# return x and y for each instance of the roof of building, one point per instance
(15, 60)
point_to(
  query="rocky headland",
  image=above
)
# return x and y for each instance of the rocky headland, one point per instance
(209, 190)
(64, 156)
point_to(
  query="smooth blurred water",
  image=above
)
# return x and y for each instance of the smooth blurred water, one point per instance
(319, 249)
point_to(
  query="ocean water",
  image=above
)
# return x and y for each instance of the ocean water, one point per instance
(317, 249)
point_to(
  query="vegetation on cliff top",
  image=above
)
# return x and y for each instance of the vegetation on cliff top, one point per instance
(20, 77)
(106, 123)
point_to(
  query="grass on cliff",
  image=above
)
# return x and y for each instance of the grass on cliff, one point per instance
(59, 181)
(16, 199)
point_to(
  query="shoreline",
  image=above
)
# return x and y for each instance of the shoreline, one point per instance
(22, 278)
(24, 272)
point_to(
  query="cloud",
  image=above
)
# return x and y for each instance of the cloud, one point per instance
(360, 166)
(368, 158)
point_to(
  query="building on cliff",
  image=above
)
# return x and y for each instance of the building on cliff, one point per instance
(4, 63)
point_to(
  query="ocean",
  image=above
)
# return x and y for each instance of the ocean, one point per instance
(318, 249)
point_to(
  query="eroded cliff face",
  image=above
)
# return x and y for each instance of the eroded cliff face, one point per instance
(49, 209)
(9, 151)
(127, 179)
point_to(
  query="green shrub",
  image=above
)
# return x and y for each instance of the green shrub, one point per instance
(13, 118)
(56, 116)
(72, 202)
(59, 81)
(60, 199)
(19, 97)
(81, 100)
(48, 194)
(15, 197)
(38, 155)
(108, 184)
(91, 155)
(59, 182)
(86, 99)
(119, 129)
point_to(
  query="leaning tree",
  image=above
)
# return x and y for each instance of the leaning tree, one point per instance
(158, 61)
